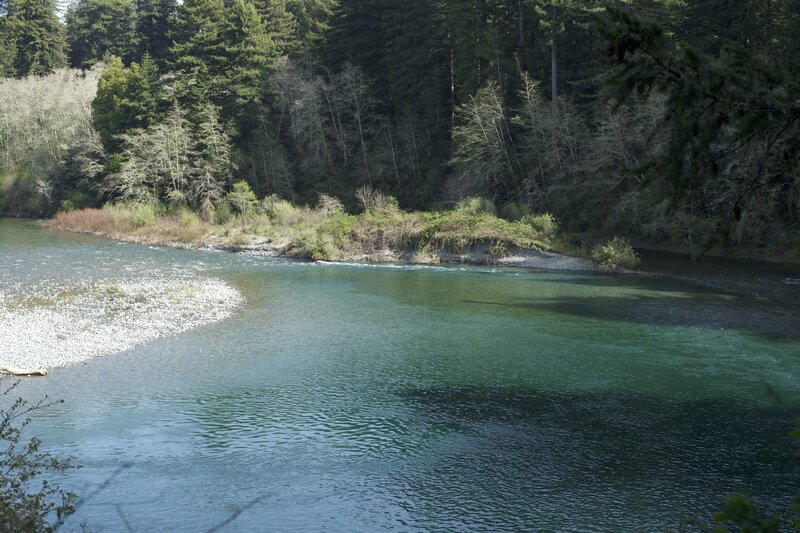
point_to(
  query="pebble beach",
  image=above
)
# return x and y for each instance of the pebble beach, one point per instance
(48, 325)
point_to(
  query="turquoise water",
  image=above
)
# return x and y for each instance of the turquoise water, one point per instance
(368, 398)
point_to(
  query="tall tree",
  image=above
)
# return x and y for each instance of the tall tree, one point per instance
(249, 53)
(8, 52)
(198, 56)
(313, 20)
(417, 64)
(555, 16)
(96, 28)
(279, 23)
(356, 37)
(472, 37)
(38, 37)
(153, 28)
(127, 98)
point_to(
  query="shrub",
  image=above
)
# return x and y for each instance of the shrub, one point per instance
(514, 211)
(616, 253)
(187, 219)
(313, 245)
(239, 239)
(374, 200)
(545, 225)
(329, 205)
(76, 200)
(498, 249)
(285, 214)
(476, 206)
(222, 213)
(242, 199)
(26, 500)
(142, 215)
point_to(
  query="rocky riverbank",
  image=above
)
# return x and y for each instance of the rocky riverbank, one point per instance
(52, 325)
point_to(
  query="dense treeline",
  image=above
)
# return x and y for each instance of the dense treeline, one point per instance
(431, 101)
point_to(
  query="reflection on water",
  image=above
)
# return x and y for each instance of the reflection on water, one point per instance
(355, 398)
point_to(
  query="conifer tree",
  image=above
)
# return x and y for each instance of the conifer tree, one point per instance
(8, 52)
(473, 40)
(99, 27)
(38, 37)
(357, 37)
(280, 24)
(153, 28)
(249, 52)
(127, 98)
(417, 68)
(198, 56)
(554, 16)
(313, 20)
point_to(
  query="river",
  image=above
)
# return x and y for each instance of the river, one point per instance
(373, 398)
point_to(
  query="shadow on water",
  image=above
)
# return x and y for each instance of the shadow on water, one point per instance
(609, 450)
(714, 311)
(633, 282)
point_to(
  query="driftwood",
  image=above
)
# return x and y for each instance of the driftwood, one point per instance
(23, 371)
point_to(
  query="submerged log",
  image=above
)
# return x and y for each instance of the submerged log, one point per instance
(23, 371)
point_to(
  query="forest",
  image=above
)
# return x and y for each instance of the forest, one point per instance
(671, 122)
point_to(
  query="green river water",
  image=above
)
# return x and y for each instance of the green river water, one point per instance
(373, 398)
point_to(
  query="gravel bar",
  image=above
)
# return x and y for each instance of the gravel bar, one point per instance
(53, 325)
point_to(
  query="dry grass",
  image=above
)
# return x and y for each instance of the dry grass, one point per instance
(132, 221)
(99, 221)
(170, 229)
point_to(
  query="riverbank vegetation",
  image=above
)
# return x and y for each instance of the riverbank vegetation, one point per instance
(28, 502)
(381, 231)
(683, 136)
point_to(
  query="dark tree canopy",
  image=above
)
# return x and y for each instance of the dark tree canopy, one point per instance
(689, 132)
(738, 110)
(97, 28)
(37, 37)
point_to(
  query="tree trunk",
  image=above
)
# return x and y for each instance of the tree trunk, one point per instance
(554, 75)
(521, 45)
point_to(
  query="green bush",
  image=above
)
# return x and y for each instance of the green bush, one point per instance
(514, 211)
(187, 218)
(28, 500)
(76, 200)
(222, 213)
(545, 225)
(242, 199)
(476, 206)
(340, 227)
(313, 245)
(616, 253)
(284, 213)
(142, 215)
(67, 206)
(373, 200)
(329, 205)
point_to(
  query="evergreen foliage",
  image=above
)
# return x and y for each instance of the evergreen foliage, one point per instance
(127, 98)
(154, 24)
(279, 23)
(96, 28)
(733, 122)
(37, 37)
(313, 20)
